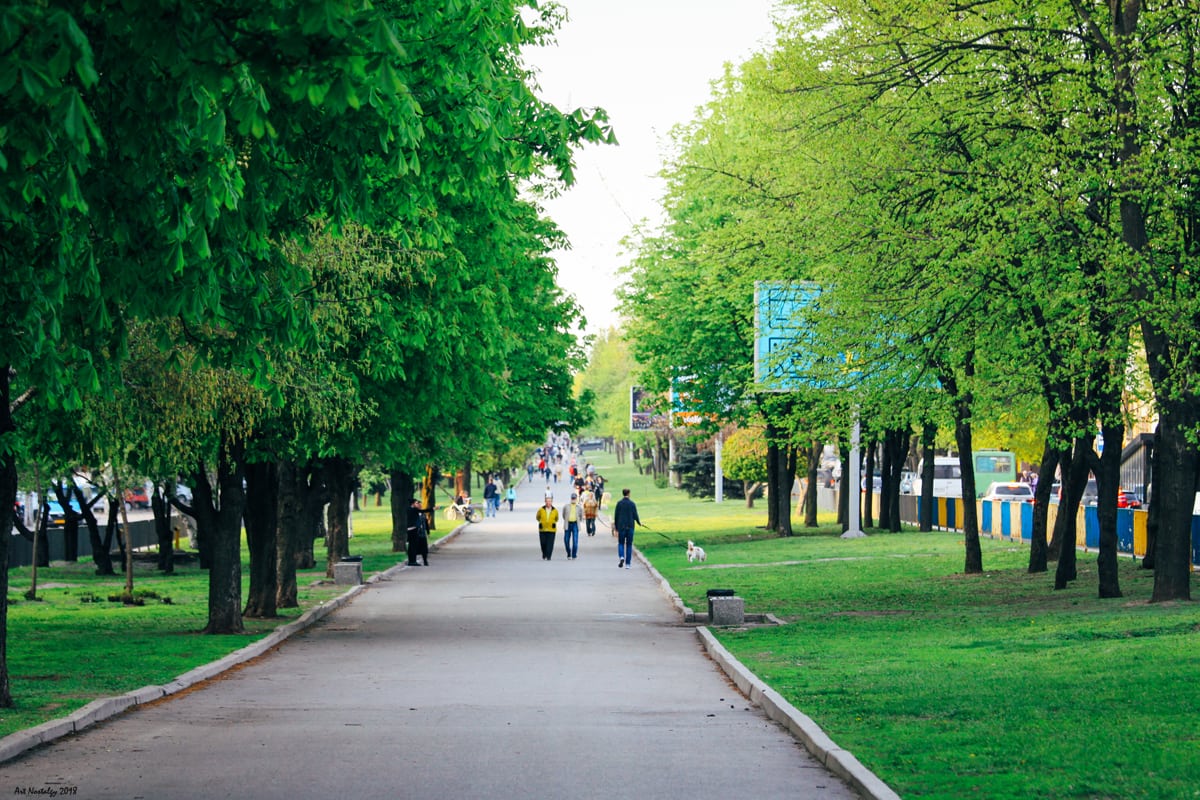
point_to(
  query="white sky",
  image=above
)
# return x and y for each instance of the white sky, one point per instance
(649, 64)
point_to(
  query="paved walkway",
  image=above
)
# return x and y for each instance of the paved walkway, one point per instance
(489, 674)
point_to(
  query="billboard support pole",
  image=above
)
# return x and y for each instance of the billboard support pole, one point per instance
(720, 476)
(854, 499)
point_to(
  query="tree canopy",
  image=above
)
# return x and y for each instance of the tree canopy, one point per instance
(325, 203)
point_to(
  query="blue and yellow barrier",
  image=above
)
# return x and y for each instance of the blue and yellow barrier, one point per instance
(1012, 520)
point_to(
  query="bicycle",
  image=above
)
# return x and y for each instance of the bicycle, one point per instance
(464, 511)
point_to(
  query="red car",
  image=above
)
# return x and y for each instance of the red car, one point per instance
(137, 498)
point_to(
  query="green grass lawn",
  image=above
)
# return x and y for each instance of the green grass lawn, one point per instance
(946, 685)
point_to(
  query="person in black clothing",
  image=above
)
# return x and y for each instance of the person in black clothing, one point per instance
(624, 517)
(418, 533)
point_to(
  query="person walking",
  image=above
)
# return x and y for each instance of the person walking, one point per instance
(625, 515)
(491, 497)
(418, 532)
(547, 519)
(571, 515)
(590, 508)
(511, 497)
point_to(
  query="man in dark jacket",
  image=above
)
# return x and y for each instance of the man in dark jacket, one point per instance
(625, 515)
(418, 532)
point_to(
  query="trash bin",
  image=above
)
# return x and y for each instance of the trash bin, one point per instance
(348, 571)
(717, 593)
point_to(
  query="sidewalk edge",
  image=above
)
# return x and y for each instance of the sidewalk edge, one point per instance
(802, 728)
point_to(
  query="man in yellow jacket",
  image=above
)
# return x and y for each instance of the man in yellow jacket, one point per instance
(547, 519)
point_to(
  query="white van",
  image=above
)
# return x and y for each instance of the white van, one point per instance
(947, 477)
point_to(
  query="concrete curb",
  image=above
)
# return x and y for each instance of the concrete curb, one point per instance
(838, 761)
(101, 709)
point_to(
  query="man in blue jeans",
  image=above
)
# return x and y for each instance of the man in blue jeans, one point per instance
(491, 498)
(625, 515)
(571, 513)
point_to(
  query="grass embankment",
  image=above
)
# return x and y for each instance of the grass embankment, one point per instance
(73, 645)
(947, 685)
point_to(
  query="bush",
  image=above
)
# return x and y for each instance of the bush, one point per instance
(697, 473)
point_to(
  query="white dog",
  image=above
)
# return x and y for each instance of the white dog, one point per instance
(695, 552)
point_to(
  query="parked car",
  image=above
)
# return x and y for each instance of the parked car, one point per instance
(137, 498)
(55, 514)
(876, 484)
(1014, 492)
(1091, 493)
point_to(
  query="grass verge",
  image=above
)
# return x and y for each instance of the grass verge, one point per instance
(947, 685)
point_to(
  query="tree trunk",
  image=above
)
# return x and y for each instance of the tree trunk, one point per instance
(403, 492)
(339, 475)
(71, 535)
(8, 500)
(925, 516)
(1108, 481)
(1038, 545)
(293, 538)
(429, 495)
(102, 548)
(464, 483)
(895, 450)
(65, 493)
(782, 499)
(772, 477)
(1175, 471)
(1061, 521)
(973, 559)
(843, 507)
(162, 531)
(100, 554)
(262, 529)
(225, 527)
(1074, 481)
(810, 505)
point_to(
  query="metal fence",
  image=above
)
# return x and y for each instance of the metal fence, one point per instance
(20, 549)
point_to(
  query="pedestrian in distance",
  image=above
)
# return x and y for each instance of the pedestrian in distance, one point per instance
(625, 515)
(572, 513)
(590, 509)
(511, 497)
(418, 532)
(547, 519)
(490, 498)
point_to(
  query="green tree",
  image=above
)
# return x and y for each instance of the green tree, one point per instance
(744, 458)
(149, 176)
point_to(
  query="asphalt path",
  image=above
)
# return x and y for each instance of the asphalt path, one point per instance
(491, 673)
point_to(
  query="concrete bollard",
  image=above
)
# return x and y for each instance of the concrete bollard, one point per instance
(348, 573)
(727, 611)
